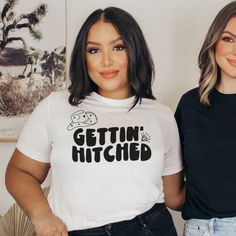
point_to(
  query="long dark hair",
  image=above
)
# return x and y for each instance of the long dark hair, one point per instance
(140, 63)
(210, 71)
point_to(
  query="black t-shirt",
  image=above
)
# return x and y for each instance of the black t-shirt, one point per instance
(208, 137)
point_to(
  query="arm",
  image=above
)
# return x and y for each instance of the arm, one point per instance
(174, 190)
(23, 178)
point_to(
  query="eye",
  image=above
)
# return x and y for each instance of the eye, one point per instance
(93, 50)
(227, 39)
(119, 48)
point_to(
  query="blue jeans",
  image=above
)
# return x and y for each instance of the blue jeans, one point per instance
(212, 227)
(155, 222)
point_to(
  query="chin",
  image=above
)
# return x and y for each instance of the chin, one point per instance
(233, 75)
(230, 73)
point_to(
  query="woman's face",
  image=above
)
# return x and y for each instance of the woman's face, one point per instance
(226, 51)
(107, 61)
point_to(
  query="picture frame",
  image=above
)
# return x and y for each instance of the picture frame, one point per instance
(32, 59)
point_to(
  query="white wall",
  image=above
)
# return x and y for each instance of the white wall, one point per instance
(6, 149)
(174, 30)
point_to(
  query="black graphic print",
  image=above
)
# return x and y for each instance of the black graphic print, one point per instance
(82, 119)
(109, 144)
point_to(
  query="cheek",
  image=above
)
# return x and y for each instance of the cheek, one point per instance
(222, 50)
(91, 64)
(123, 62)
(219, 54)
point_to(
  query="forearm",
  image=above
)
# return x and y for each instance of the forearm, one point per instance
(174, 190)
(176, 201)
(23, 178)
(27, 192)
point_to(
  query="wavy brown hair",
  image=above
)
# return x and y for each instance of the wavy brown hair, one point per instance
(210, 71)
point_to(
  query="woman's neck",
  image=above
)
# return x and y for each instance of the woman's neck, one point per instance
(115, 95)
(227, 85)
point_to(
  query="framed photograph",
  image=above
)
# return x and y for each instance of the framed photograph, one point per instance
(32, 58)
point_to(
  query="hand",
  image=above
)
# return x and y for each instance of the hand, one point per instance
(49, 225)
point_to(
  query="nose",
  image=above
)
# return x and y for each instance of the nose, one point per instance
(107, 59)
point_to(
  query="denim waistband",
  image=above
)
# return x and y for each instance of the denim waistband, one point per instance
(213, 224)
(142, 218)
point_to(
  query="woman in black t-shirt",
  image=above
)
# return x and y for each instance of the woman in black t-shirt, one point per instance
(206, 117)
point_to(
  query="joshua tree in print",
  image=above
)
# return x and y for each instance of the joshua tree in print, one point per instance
(10, 22)
(54, 64)
(33, 57)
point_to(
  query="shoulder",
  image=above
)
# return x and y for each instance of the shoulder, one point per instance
(55, 100)
(193, 93)
(61, 95)
(157, 108)
(190, 97)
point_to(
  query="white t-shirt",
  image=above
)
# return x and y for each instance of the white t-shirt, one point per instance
(107, 162)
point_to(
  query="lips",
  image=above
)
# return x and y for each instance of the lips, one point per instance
(109, 74)
(232, 62)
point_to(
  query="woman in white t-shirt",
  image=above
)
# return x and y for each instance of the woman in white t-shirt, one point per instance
(113, 150)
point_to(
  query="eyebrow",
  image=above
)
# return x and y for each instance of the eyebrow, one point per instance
(229, 33)
(116, 40)
(98, 44)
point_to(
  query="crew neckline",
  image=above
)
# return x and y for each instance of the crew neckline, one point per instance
(224, 94)
(113, 102)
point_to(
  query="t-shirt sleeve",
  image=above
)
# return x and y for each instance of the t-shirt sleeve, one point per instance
(34, 141)
(173, 158)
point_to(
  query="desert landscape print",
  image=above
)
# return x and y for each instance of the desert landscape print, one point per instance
(32, 58)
